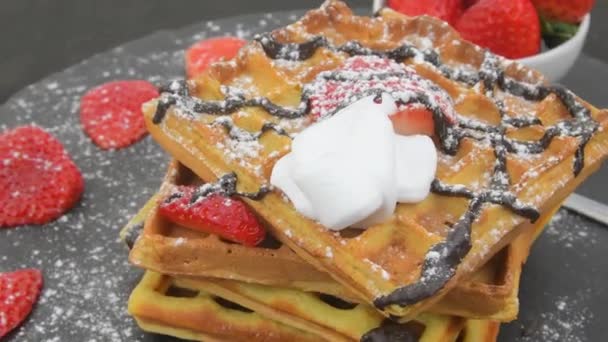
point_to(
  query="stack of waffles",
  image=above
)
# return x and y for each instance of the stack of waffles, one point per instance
(444, 269)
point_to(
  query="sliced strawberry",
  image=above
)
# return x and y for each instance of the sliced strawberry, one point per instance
(413, 120)
(38, 179)
(369, 73)
(446, 10)
(200, 55)
(215, 214)
(19, 291)
(111, 113)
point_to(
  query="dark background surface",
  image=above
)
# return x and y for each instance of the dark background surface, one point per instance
(39, 37)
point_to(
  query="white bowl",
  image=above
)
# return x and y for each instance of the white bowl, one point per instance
(556, 63)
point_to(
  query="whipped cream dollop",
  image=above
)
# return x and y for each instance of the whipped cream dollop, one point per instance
(351, 169)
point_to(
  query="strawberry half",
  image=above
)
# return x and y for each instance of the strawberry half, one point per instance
(510, 28)
(19, 291)
(111, 113)
(200, 55)
(446, 10)
(413, 120)
(365, 73)
(215, 214)
(39, 180)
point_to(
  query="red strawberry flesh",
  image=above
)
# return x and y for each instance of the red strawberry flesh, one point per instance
(111, 113)
(446, 10)
(226, 217)
(205, 52)
(39, 180)
(510, 28)
(19, 291)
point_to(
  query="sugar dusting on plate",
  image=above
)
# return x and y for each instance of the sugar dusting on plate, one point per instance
(564, 322)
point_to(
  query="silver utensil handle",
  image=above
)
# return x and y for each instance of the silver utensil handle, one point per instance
(378, 5)
(588, 207)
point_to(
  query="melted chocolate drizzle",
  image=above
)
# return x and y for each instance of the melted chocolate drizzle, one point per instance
(234, 132)
(178, 94)
(224, 186)
(303, 51)
(436, 271)
(133, 233)
(390, 331)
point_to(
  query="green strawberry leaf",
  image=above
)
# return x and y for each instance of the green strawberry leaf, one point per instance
(556, 32)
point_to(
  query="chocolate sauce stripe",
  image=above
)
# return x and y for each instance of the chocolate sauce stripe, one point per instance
(503, 198)
(436, 272)
(132, 234)
(236, 133)
(522, 121)
(226, 186)
(391, 331)
(228, 106)
(347, 76)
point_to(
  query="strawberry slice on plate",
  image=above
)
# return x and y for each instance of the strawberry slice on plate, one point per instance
(214, 213)
(38, 179)
(200, 55)
(19, 291)
(111, 113)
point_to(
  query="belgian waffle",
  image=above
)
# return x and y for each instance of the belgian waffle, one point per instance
(169, 249)
(499, 169)
(157, 298)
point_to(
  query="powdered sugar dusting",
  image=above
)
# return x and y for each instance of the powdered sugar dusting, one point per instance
(564, 322)
(361, 74)
(566, 230)
(378, 269)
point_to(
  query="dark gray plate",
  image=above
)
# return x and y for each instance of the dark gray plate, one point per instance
(87, 277)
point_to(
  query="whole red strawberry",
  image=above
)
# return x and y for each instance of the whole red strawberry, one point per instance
(446, 10)
(569, 11)
(111, 113)
(38, 179)
(200, 55)
(507, 27)
(215, 214)
(19, 291)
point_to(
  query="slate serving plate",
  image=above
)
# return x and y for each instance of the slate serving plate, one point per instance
(564, 288)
